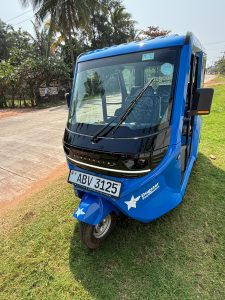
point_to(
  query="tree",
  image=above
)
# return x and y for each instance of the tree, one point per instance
(110, 25)
(220, 65)
(42, 40)
(122, 24)
(152, 32)
(26, 66)
(65, 15)
(10, 38)
(3, 41)
(17, 47)
(35, 71)
(84, 25)
(101, 28)
(5, 72)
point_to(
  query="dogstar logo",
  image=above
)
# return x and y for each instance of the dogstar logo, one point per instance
(150, 191)
(133, 201)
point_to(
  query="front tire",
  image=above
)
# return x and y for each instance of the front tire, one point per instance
(92, 236)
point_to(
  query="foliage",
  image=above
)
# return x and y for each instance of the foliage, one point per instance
(152, 32)
(63, 30)
(17, 40)
(220, 65)
(65, 16)
(122, 24)
(178, 256)
(24, 66)
(4, 54)
(85, 25)
(110, 25)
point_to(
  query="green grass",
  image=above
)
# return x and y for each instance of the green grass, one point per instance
(18, 103)
(217, 80)
(179, 256)
(221, 79)
(41, 105)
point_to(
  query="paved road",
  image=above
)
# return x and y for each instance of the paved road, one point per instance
(30, 149)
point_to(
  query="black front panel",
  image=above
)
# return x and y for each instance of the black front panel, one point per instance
(134, 156)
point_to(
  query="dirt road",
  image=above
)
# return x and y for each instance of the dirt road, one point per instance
(30, 149)
(209, 78)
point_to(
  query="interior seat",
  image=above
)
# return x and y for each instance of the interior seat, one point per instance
(163, 92)
(149, 103)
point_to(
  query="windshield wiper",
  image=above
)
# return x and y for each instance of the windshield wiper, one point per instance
(123, 116)
(96, 136)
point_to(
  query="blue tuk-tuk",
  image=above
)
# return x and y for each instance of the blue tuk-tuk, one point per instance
(133, 130)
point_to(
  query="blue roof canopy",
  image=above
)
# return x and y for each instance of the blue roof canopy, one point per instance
(144, 45)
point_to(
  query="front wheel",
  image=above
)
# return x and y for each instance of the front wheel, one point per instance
(92, 236)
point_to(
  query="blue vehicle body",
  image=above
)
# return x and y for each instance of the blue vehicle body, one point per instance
(150, 196)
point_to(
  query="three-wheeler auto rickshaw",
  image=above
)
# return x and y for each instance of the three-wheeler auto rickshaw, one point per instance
(133, 130)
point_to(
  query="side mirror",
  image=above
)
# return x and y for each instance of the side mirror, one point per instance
(68, 97)
(202, 100)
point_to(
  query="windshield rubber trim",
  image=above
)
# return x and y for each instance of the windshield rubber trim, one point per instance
(121, 138)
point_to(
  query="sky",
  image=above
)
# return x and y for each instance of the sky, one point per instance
(205, 18)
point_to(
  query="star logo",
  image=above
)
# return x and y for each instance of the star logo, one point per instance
(132, 203)
(79, 212)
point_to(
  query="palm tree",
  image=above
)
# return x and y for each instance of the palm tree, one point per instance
(41, 40)
(123, 25)
(65, 16)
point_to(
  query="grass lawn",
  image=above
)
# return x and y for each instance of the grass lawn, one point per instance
(179, 256)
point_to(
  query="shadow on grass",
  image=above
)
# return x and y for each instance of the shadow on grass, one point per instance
(162, 259)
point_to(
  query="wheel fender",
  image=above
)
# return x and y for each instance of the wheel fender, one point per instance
(92, 209)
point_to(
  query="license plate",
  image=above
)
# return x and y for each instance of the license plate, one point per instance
(95, 183)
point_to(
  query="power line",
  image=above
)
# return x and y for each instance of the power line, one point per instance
(63, 1)
(23, 21)
(19, 15)
(217, 49)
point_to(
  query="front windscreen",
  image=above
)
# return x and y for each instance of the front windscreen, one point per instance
(105, 87)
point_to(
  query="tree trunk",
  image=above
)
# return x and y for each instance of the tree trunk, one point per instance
(50, 35)
(71, 49)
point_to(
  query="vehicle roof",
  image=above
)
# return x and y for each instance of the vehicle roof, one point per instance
(144, 45)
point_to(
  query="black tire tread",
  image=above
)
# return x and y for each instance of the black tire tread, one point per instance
(87, 237)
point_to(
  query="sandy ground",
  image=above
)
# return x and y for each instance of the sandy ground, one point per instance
(5, 206)
(8, 112)
(30, 150)
(208, 79)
